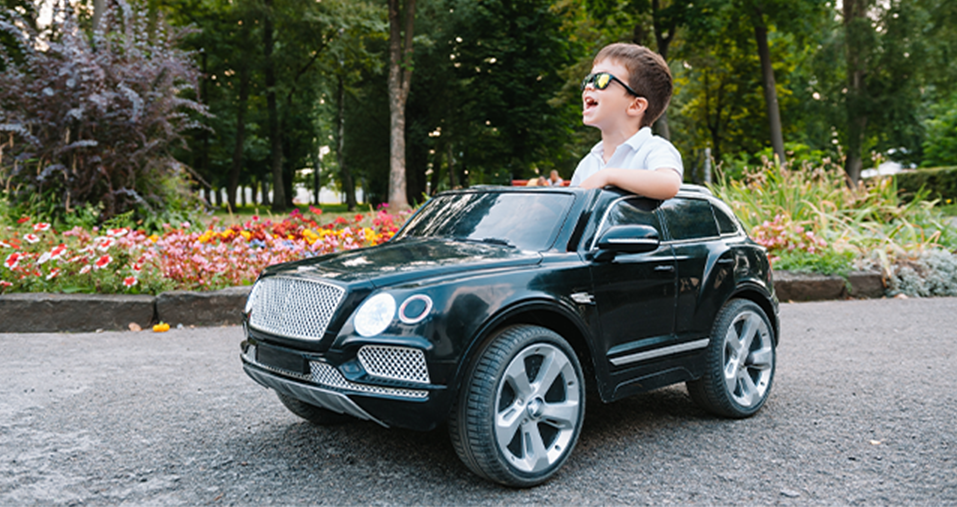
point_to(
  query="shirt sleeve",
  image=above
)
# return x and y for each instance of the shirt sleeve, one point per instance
(664, 155)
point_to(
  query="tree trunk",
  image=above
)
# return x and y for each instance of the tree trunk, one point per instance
(767, 81)
(663, 41)
(237, 164)
(99, 7)
(348, 184)
(855, 26)
(275, 128)
(400, 77)
(453, 182)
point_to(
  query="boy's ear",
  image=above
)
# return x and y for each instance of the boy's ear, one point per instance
(638, 106)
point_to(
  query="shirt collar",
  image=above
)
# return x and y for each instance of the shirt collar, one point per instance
(634, 142)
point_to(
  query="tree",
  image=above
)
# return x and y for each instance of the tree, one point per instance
(400, 79)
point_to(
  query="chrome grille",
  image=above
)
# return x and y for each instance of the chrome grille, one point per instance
(293, 307)
(398, 363)
(325, 375)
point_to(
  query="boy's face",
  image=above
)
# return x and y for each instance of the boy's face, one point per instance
(609, 107)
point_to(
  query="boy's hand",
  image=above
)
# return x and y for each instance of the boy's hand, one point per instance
(661, 183)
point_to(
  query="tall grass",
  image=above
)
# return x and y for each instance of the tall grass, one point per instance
(868, 224)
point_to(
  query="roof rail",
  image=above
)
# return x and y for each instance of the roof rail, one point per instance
(689, 187)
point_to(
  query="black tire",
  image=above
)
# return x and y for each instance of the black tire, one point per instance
(316, 415)
(520, 409)
(739, 373)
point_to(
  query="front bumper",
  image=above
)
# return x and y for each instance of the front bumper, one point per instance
(345, 389)
(330, 400)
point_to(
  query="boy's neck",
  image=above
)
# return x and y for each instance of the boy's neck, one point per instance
(611, 139)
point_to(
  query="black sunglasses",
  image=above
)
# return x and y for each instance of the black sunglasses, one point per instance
(601, 80)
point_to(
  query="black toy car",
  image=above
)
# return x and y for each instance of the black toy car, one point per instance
(496, 310)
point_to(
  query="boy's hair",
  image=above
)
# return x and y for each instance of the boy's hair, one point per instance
(648, 74)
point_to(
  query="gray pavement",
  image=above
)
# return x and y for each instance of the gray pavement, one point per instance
(861, 413)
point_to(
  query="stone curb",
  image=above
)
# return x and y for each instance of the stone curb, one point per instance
(46, 313)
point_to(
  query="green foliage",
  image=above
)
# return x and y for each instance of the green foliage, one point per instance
(940, 145)
(826, 262)
(871, 222)
(936, 183)
(94, 121)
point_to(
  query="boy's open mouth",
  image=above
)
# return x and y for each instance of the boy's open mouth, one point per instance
(589, 103)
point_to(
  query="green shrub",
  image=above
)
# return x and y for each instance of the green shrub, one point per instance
(939, 183)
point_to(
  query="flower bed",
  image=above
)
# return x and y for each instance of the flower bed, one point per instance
(38, 258)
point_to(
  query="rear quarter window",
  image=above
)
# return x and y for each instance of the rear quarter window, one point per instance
(689, 219)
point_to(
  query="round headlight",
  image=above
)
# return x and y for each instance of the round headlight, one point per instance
(375, 315)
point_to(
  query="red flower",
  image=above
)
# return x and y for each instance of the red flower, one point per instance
(103, 262)
(13, 260)
(53, 273)
(31, 238)
(24, 219)
(57, 252)
(129, 281)
(40, 227)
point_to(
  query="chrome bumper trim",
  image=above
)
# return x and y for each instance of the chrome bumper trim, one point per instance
(324, 398)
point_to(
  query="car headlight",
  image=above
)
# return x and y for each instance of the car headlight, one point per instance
(250, 299)
(375, 315)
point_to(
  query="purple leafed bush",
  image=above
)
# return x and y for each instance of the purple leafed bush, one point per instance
(92, 122)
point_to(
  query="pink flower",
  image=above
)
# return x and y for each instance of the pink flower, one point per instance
(4, 283)
(86, 269)
(13, 260)
(40, 227)
(129, 281)
(103, 262)
(43, 258)
(31, 238)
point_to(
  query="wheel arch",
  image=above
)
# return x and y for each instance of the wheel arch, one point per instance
(545, 313)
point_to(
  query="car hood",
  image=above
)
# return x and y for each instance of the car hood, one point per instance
(408, 261)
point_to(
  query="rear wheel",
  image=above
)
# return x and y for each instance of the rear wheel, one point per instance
(740, 363)
(520, 411)
(316, 415)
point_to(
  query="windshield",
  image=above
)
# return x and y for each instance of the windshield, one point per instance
(525, 220)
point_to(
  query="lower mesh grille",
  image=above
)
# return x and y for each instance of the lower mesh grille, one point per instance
(396, 363)
(326, 375)
(293, 307)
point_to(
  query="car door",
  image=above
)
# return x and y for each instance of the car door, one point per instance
(634, 293)
(705, 266)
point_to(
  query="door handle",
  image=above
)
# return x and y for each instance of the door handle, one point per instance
(665, 268)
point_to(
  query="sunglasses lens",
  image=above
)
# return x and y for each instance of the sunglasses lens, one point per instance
(602, 80)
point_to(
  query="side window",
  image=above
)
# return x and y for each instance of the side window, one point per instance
(689, 219)
(725, 217)
(633, 211)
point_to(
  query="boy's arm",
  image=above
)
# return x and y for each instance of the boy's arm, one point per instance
(662, 183)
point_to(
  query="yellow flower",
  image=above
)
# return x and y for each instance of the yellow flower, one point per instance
(154, 238)
(162, 327)
(246, 235)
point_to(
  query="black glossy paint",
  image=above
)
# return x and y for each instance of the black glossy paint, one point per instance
(481, 275)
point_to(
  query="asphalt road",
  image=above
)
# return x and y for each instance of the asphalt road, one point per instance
(863, 411)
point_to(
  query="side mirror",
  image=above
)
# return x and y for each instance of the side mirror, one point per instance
(629, 239)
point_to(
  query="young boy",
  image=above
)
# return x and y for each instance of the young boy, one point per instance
(628, 89)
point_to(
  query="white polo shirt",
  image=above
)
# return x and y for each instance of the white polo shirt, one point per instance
(643, 150)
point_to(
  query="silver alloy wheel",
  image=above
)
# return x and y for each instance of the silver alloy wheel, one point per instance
(537, 408)
(748, 359)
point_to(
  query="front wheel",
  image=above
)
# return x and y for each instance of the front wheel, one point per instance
(520, 411)
(740, 362)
